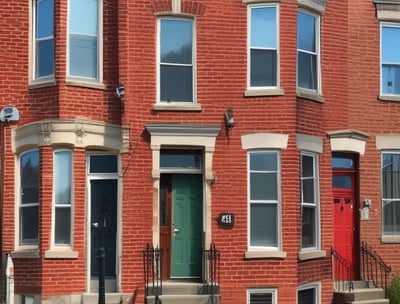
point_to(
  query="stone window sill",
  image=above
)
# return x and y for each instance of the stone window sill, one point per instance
(85, 84)
(178, 107)
(249, 255)
(310, 95)
(263, 92)
(311, 254)
(390, 239)
(61, 253)
(31, 253)
(389, 97)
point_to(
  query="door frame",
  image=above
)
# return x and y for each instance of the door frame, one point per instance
(91, 284)
(352, 172)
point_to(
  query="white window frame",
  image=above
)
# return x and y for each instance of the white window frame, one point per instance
(33, 74)
(397, 200)
(317, 53)
(274, 202)
(20, 244)
(193, 65)
(387, 25)
(314, 285)
(249, 48)
(80, 80)
(272, 291)
(315, 204)
(57, 206)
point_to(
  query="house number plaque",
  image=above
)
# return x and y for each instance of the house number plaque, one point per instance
(226, 220)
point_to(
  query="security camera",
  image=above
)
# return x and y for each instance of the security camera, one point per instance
(120, 91)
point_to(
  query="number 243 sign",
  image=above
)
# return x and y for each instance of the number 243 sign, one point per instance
(226, 220)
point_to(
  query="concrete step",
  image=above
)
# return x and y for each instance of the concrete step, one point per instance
(184, 299)
(110, 298)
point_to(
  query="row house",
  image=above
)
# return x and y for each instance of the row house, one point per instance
(241, 151)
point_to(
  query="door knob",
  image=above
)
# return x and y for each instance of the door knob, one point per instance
(176, 230)
(95, 225)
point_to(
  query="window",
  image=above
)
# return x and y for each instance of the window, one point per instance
(308, 51)
(261, 296)
(264, 207)
(62, 197)
(176, 60)
(29, 198)
(263, 47)
(309, 202)
(391, 193)
(83, 39)
(390, 58)
(308, 294)
(43, 24)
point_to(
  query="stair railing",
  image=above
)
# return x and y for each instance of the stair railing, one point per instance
(342, 272)
(373, 268)
(211, 269)
(152, 258)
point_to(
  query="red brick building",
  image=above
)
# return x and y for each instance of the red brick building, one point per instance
(267, 130)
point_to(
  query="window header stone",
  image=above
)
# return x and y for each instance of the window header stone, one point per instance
(315, 5)
(388, 10)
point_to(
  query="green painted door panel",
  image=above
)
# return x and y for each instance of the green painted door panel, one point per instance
(187, 221)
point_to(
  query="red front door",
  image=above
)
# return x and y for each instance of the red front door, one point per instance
(345, 208)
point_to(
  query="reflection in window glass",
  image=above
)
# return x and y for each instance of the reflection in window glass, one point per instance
(390, 56)
(44, 39)
(391, 193)
(29, 197)
(307, 51)
(176, 60)
(342, 182)
(180, 159)
(103, 163)
(83, 38)
(263, 46)
(342, 162)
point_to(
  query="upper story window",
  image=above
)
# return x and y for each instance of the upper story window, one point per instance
(176, 75)
(43, 50)
(263, 47)
(309, 202)
(390, 59)
(308, 70)
(62, 197)
(84, 42)
(391, 193)
(29, 198)
(264, 200)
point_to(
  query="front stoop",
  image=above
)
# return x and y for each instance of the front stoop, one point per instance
(183, 293)
(363, 293)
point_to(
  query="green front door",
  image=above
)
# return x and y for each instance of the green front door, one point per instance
(187, 223)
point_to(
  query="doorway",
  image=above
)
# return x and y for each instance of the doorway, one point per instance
(181, 222)
(345, 205)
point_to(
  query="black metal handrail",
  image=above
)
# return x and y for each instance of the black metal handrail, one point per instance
(373, 268)
(152, 258)
(342, 272)
(211, 270)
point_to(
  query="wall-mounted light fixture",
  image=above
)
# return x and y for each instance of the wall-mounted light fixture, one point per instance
(120, 93)
(229, 121)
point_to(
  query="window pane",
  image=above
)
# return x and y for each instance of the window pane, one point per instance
(263, 27)
(44, 58)
(391, 79)
(391, 176)
(63, 177)
(261, 298)
(307, 296)
(306, 32)
(391, 217)
(29, 172)
(176, 41)
(178, 159)
(83, 16)
(307, 71)
(307, 166)
(29, 223)
(264, 161)
(44, 18)
(391, 44)
(62, 226)
(308, 191)
(103, 163)
(263, 186)
(263, 68)
(263, 225)
(341, 182)
(176, 83)
(342, 162)
(308, 232)
(83, 56)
